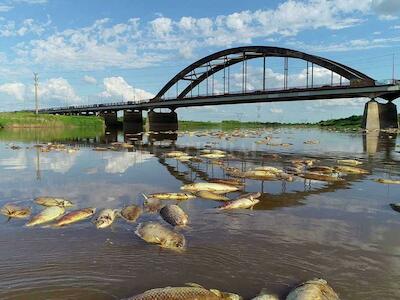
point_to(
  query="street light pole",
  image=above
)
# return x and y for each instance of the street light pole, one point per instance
(36, 79)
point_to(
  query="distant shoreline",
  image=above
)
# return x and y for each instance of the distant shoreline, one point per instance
(25, 120)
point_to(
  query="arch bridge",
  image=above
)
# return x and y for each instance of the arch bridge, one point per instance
(198, 85)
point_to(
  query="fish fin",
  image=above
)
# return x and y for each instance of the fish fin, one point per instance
(216, 292)
(192, 284)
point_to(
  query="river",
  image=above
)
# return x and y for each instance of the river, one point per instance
(344, 232)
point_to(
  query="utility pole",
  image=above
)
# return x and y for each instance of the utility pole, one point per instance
(393, 70)
(36, 80)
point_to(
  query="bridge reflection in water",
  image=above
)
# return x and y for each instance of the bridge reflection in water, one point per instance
(276, 194)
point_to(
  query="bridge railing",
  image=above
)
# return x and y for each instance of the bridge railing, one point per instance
(220, 94)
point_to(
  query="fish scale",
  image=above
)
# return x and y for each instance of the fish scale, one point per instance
(177, 293)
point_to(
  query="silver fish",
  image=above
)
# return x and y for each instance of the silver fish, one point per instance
(317, 289)
(155, 233)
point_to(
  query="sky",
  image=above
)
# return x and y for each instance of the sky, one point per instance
(100, 51)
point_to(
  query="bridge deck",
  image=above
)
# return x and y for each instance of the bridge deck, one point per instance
(388, 91)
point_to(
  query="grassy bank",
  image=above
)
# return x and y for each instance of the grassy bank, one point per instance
(30, 120)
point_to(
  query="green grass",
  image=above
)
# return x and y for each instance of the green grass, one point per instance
(30, 120)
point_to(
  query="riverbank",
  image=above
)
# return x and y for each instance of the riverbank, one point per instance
(350, 123)
(30, 120)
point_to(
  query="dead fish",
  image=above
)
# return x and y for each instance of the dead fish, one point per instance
(131, 213)
(229, 181)
(388, 181)
(321, 169)
(172, 196)
(75, 216)
(14, 211)
(184, 158)
(317, 289)
(247, 201)
(105, 218)
(174, 215)
(264, 295)
(268, 169)
(260, 175)
(351, 170)
(51, 201)
(285, 176)
(100, 149)
(320, 177)
(211, 196)
(351, 162)
(395, 206)
(217, 188)
(155, 233)
(213, 155)
(311, 142)
(48, 214)
(192, 292)
(152, 204)
(174, 154)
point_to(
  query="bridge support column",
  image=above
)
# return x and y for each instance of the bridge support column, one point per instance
(161, 121)
(379, 116)
(133, 121)
(110, 118)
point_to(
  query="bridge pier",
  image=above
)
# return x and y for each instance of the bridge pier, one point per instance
(379, 116)
(161, 121)
(110, 118)
(133, 121)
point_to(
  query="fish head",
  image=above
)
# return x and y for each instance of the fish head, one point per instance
(176, 242)
(90, 210)
(188, 187)
(65, 203)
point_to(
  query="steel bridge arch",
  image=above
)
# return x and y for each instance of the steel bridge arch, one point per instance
(252, 52)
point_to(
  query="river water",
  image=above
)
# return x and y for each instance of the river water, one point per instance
(345, 232)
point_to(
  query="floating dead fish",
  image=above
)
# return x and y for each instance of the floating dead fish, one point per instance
(184, 158)
(388, 181)
(105, 218)
(213, 155)
(192, 292)
(247, 201)
(131, 213)
(268, 169)
(51, 201)
(306, 162)
(174, 154)
(48, 214)
(260, 175)
(100, 149)
(229, 181)
(172, 196)
(76, 216)
(395, 206)
(217, 188)
(320, 177)
(14, 211)
(311, 142)
(211, 196)
(351, 162)
(317, 289)
(264, 295)
(351, 170)
(152, 205)
(174, 215)
(321, 169)
(285, 176)
(155, 233)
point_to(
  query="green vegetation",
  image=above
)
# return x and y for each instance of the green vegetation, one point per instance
(30, 120)
(350, 122)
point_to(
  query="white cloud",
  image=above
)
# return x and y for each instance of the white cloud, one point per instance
(117, 88)
(161, 27)
(15, 89)
(120, 162)
(58, 89)
(27, 26)
(276, 110)
(89, 79)
(5, 8)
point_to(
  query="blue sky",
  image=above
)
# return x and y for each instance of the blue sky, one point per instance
(101, 51)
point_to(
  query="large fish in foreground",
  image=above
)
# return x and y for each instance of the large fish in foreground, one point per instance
(14, 211)
(46, 215)
(174, 215)
(76, 216)
(105, 218)
(218, 188)
(52, 201)
(155, 233)
(315, 289)
(185, 293)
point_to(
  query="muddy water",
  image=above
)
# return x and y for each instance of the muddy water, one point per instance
(343, 232)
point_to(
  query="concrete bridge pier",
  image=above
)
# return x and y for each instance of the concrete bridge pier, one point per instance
(379, 116)
(133, 121)
(161, 121)
(110, 118)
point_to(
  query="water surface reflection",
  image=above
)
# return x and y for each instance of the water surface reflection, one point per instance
(344, 232)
